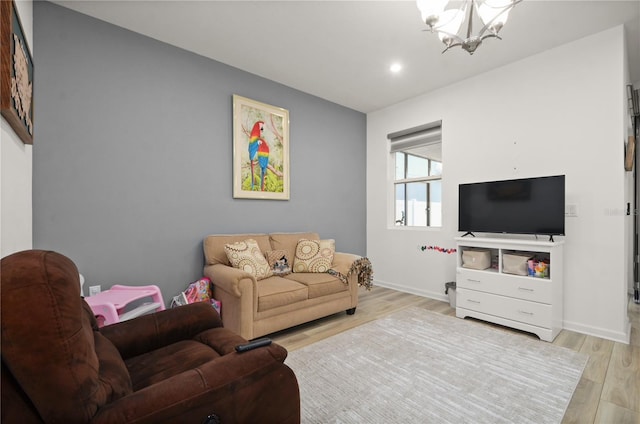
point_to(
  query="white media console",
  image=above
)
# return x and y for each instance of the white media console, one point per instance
(525, 302)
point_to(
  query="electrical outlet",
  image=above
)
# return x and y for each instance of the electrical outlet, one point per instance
(94, 290)
(571, 211)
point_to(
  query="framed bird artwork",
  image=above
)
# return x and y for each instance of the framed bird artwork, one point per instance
(260, 150)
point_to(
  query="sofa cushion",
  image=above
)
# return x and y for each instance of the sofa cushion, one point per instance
(278, 291)
(319, 284)
(314, 255)
(278, 261)
(214, 252)
(289, 241)
(246, 255)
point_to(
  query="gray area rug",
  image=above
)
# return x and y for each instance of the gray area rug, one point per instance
(416, 366)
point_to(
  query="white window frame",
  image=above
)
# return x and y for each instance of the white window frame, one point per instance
(404, 142)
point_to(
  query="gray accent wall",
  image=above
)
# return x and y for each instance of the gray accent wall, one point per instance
(132, 156)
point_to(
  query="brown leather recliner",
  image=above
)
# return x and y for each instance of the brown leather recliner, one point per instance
(178, 365)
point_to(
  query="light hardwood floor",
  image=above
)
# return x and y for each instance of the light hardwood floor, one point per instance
(608, 392)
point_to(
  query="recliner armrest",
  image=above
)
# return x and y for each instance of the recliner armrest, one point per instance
(150, 332)
(227, 387)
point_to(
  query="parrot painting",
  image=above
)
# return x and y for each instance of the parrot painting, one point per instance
(263, 160)
(254, 143)
(258, 149)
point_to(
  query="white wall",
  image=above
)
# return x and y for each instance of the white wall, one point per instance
(629, 184)
(558, 112)
(16, 170)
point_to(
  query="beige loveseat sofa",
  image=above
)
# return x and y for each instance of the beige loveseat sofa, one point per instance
(253, 308)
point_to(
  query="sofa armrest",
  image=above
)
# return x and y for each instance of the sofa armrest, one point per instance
(238, 292)
(150, 332)
(227, 278)
(342, 262)
(237, 387)
(358, 270)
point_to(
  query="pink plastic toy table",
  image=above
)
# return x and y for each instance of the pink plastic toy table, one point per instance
(110, 304)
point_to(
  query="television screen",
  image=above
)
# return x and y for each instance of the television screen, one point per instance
(521, 206)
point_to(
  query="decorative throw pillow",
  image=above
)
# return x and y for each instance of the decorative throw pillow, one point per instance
(314, 255)
(278, 261)
(246, 255)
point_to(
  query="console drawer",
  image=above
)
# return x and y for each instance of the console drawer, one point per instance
(532, 313)
(519, 287)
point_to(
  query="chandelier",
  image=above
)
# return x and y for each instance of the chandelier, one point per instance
(447, 23)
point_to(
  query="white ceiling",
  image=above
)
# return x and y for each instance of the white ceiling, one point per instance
(341, 50)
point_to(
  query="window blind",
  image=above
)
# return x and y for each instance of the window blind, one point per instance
(422, 135)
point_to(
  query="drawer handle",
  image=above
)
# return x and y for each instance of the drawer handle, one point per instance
(526, 289)
(473, 281)
(473, 301)
(526, 313)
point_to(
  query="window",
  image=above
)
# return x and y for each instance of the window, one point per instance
(417, 154)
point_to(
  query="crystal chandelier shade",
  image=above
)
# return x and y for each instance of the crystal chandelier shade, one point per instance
(447, 22)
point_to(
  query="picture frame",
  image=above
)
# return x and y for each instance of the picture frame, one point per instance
(629, 153)
(260, 150)
(16, 73)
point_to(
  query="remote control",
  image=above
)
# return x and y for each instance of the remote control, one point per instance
(254, 344)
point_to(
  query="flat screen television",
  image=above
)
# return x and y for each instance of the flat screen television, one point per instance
(521, 206)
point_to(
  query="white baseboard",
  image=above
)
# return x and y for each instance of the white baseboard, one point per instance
(412, 290)
(621, 337)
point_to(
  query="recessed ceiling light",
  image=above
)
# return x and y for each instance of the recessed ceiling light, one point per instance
(395, 68)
